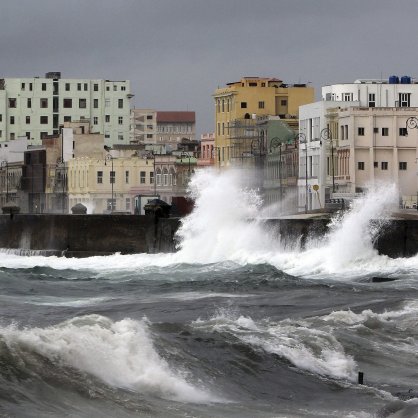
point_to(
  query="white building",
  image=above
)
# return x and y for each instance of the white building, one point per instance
(36, 107)
(362, 125)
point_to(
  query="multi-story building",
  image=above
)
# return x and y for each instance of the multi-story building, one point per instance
(207, 150)
(238, 104)
(357, 137)
(36, 107)
(169, 128)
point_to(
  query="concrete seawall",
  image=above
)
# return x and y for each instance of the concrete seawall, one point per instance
(87, 235)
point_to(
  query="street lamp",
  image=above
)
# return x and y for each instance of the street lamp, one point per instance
(276, 142)
(301, 138)
(61, 167)
(412, 123)
(326, 135)
(112, 178)
(6, 164)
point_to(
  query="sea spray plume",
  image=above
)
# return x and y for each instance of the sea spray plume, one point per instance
(119, 353)
(350, 240)
(221, 226)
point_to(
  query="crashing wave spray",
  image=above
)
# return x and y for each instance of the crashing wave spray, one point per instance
(223, 225)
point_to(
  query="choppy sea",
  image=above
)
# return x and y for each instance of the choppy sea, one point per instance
(234, 324)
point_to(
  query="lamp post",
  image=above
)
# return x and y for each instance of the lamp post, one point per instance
(61, 167)
(6, 164)
(276, 142)
(326, 135)
(112, 178)
(301, 138)
(412, 123)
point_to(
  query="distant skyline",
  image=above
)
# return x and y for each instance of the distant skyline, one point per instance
(177, 52)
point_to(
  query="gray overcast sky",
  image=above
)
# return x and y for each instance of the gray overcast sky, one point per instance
(176, 52)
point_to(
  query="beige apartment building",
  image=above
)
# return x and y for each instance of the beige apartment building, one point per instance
(374, 146)
(169, 128)
(239, 104)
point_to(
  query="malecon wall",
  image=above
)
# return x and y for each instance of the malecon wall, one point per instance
(87, 235)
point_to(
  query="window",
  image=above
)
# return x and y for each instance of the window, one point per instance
(12, 103)
(107, 102)
(384, 165)
(44, 135)
(27, 120)
(67, 118)
(120, 103)
(99, 177)
(151, 177)
(95, 120)
(243, 105)
(385, 131)
(261, 105)
(404, 99)
(79, 86)
(67, 86)
(44, 120)
(30, 86)
(68, 103)
(347, 97)
(1, 117)
(403, 132)
(360, 131)
(372, 100)
(142, 176)
(402, 165)
(149, 117)
(120, 137)
(252, 84)
(375, 164)
(43, 86)
(29, 103)
(123, 88)
(82, 103)
(128, 203)
(43, 103)
(12, 120)
(95, 87)
(107, 134)
(107, 88)
(120, 120)
(283, 102)
(149, 136)
(95, 103)
(107, 118)
(360, 165)
(112, 177)
(115, 88)
(86, 87)
(127, 177)
(23, 86)
(12, 136)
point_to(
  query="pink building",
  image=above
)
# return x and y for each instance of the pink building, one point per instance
(207, 150)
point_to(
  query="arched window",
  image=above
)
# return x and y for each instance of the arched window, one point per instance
(247, 116)
(165, 177)
(158, 177)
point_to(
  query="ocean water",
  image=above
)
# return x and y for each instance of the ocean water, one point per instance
(231, 325)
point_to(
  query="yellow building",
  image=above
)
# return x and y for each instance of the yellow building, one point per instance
(238, 104)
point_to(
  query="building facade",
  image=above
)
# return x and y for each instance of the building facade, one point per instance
(239, 103)
(36, 107)
(357, 137)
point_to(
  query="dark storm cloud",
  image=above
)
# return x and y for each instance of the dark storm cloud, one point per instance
(176, 52)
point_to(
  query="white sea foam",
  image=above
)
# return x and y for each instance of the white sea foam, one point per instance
(224, 227)
(307, 348)
(120, 353)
